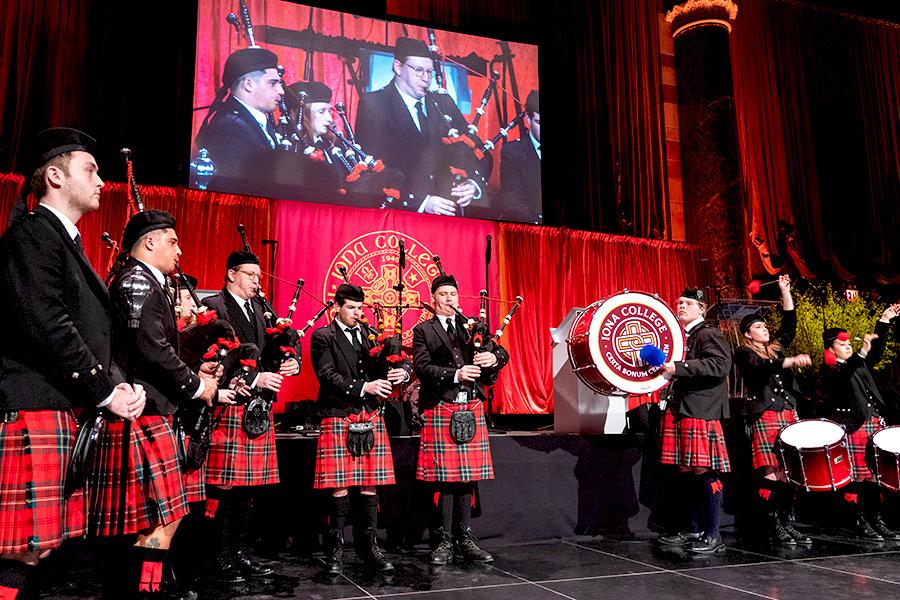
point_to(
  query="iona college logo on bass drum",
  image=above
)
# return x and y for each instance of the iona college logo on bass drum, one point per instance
(373, 262)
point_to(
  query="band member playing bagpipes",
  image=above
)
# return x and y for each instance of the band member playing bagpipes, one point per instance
(353, 449)
(239, 131)
(136, 486)
(405, 125)
(333, 167)
(242, 456)
(455, 452)
(55, 355)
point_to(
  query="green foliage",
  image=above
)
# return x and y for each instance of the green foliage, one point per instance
(820, 306)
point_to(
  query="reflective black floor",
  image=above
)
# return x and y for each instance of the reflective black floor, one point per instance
(835, 567)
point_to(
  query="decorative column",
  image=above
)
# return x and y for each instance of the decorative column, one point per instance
(713, 193)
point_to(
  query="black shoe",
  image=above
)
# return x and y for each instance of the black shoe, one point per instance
(882, 529)
(250, 567)
(443, 553)
(801, 538)
(226, 571)
(682, 538)
(778, 534)
(334, 552)
(707, 545)
(865, 532)
(371, 554)
(467, 550)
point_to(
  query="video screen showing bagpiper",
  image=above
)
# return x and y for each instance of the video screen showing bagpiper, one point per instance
(302, 103)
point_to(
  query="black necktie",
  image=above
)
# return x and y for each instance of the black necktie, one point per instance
(250, 314)
(78, 243)
(451, 330)
(354, 336)
(270, 129)
(420, 112)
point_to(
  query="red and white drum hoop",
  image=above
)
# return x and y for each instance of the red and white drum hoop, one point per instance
(606, 339)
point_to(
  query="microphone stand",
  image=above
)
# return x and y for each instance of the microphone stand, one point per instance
(489, 418)
(272, 244)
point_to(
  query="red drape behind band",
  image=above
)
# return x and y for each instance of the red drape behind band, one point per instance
(206, 224)
(554, 269)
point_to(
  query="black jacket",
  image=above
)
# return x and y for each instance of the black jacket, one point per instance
(852, 394)
(342, 372)
(149, 353)
(699, 389)
(436, 360)
(386, 130)
(520, 182)
(769, 385)
(55, 347)
(227, 308)
(239, 149)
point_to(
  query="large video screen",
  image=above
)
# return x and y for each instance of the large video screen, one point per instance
(302, 103)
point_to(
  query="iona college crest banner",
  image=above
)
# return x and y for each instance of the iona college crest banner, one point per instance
(315, 241)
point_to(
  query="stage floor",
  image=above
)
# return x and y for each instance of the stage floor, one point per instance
(577, 567)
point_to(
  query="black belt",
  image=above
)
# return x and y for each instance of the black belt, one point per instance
(10, 416)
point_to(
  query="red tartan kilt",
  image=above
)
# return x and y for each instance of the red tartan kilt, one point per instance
(135, 482)
(690, 442)
(35, 451)
(337, 468)
(237, 459)
(765, 433)
(442, 459)
(857, 445)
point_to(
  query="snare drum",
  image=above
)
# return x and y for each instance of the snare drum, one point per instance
(814, 454)
(605, 342)
(886, 444)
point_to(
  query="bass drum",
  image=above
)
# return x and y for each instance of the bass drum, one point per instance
(605, 342)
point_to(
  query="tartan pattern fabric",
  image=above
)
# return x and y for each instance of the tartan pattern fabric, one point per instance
(235, 458)
(194, 480)
(858, 447)
(442, 459)
(337, 468)
(765, 432)
(35, 451)
(691, 442)
(135, 482)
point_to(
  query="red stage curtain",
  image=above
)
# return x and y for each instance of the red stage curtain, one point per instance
(42, 45)
(559, 269)
(817, 95)
(206, 224)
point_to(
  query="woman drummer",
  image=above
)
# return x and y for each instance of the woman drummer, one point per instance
(855, 402)
(773, 395)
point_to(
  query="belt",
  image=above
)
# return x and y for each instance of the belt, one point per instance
(10, 416)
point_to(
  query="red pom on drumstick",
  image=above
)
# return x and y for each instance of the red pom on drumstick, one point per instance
(753, 286)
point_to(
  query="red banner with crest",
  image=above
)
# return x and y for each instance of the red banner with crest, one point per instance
(316, 240)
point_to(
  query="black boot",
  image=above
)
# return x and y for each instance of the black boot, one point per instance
(778, 535)
(864, 530)
(443, 553)
(241, 511)
(371, 554)
(334, 552)
(466, 549)
(882, 529)
(682, 538)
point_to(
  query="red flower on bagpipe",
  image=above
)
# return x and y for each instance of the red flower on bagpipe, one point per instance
(288, 350)
(318, 155)
(375, 350)
(206, 316)
(353, 176)
(248, 363)
(461, 173)
(397, 358)
(272, 331)
(391, 192)
(479, 153)
(211, 352)
(182, 323)
(379, 166)
(342, 191)
(228, 344)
